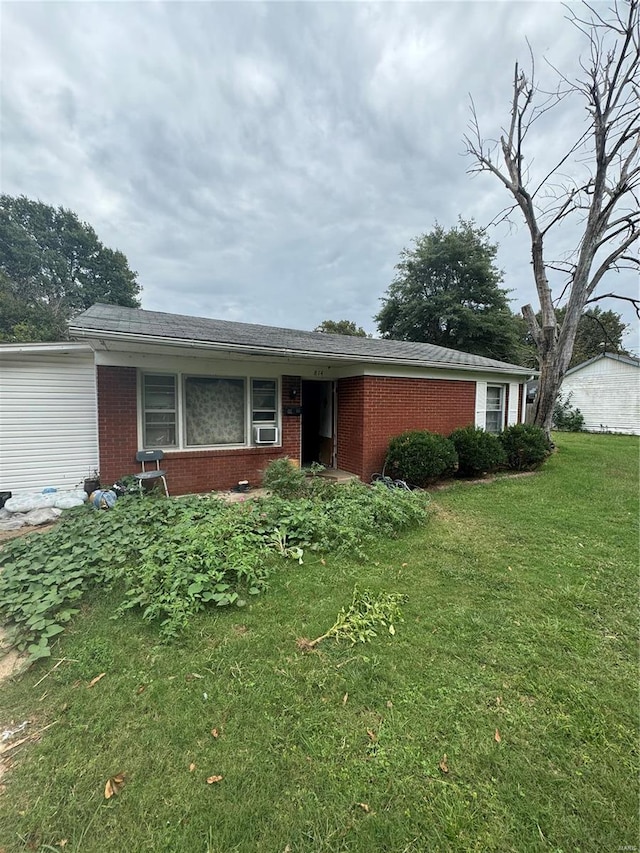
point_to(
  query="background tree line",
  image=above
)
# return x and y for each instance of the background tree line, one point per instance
(448, 291)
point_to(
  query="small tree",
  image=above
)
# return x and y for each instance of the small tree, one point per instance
(593, 184)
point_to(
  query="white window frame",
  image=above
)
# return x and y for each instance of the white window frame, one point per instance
(501, 389)
(272, 421)
(143, 409)
(180, 410)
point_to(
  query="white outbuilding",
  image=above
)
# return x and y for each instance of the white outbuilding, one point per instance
(606, 389)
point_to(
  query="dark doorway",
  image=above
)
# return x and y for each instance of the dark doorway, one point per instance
(317, 423)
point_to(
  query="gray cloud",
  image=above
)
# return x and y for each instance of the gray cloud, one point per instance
(267, 162)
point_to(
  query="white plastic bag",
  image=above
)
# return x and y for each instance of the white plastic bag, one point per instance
(67, 500)
(44, 515)
(13, 523)
(25, 503)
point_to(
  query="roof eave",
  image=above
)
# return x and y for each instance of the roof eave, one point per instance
(284, 352)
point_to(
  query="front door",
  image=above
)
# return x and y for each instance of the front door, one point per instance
(318, 414)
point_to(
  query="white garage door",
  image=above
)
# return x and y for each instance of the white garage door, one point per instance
(48, 419)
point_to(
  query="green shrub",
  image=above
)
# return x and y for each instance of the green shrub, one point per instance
(526, 446)
(284, 479)
(565, 416)
(420, 457)
(479, 452)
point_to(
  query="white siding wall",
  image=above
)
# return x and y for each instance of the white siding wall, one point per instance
(607, 393)
(48, 421)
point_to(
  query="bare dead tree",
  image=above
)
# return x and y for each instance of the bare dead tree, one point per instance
(595, 183)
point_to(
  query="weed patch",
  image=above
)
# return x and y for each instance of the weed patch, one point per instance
(174, 558)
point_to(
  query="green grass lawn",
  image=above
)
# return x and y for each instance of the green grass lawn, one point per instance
(517, 660)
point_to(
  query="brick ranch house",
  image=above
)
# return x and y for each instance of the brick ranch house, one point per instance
(222, 399)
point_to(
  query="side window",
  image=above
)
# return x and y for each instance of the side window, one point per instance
(494, 418)
(264, 409)
(159, 409)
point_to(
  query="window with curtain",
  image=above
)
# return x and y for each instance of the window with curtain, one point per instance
(214, 411)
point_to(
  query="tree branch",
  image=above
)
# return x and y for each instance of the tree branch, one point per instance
(631, 299)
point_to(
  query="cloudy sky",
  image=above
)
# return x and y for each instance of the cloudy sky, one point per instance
(267, 162)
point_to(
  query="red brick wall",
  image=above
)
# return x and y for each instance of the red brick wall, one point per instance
(187, 470)
(350, 424)
(372, 409)
(117, 425)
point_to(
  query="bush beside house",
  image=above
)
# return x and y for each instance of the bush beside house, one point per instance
(420, 457)
(479, 452)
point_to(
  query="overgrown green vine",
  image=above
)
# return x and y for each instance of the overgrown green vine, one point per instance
(176, 557)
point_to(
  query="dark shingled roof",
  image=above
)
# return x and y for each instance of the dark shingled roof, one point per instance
(134, 323)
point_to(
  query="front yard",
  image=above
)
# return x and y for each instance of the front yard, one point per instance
(502, 715)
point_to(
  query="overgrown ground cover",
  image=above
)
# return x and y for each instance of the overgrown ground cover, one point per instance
(516, 660)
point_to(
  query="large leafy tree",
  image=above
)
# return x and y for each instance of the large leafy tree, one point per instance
(341, 327)
(589, 192)
(447, 292)
(53, 266)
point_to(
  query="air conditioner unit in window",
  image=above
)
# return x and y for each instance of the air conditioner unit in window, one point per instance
(265, 434)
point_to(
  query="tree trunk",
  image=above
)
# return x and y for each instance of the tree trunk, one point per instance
(548, 387)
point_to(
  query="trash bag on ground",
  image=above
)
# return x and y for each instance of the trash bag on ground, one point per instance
(15, 522)
(45, 515)
(103, 499)
(25, 503)
(67, 500)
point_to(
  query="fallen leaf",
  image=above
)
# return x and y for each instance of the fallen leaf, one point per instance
(141, 689)
(287, 849)
(443, 764)
(192, 767)
(392, 630)
(213, 779)
(345, 698)
(404, 565)
(324, 563)
(63, 842)
(365, 807)
(96, 679)
(497, 737)
(389, 704)
(113, 785)
(215, 733)
(372, 735)
(498, 700)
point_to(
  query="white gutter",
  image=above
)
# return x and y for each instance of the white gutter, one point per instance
(249, 349)
(26, 348)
